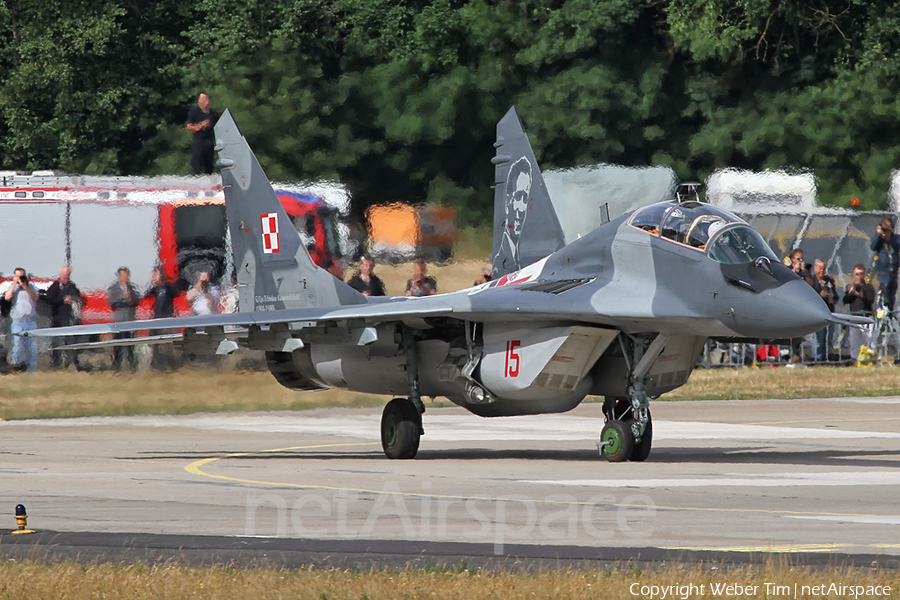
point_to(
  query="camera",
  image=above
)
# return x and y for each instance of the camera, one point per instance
(857, 287)
(23, 279)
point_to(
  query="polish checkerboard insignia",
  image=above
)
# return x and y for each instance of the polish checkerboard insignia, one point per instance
(270, 233)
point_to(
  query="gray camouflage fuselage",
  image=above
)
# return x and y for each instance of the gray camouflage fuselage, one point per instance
(622, 311)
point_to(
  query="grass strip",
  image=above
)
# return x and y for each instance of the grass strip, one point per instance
(71, 394)
(20, 579)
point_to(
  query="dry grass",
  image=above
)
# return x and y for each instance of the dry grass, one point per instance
(68, 394)
(768, 382)
(29, 579)
(450, 277)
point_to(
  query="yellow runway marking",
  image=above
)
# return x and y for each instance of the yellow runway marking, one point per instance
(778, 548)
(195, 468)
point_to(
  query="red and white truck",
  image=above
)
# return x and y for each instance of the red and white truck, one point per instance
(95, 224)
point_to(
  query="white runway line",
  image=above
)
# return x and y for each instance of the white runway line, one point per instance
(864, 400)
(860, 519)
(463, 428)
(755, 480)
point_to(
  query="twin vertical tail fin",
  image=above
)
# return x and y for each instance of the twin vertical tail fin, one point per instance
(526, 228)
(273, 269)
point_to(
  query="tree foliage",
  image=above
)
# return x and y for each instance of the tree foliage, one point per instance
(399, 98)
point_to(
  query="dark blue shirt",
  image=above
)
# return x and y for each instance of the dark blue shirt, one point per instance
(887, 254)
(196, 115)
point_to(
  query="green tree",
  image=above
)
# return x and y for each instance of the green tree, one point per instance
(85, 84)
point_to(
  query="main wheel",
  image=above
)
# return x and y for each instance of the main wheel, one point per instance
(642, 448)
(619, 441)
(400, 426)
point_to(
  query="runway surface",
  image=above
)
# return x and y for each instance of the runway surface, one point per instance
(819, 476)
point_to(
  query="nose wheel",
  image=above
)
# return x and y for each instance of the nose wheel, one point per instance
(616, 441)
(621, 438)
(401, 426)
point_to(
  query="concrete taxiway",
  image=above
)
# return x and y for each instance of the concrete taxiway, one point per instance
(805, 476)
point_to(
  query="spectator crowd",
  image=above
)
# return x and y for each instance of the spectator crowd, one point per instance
(61, 304)
(859, 296)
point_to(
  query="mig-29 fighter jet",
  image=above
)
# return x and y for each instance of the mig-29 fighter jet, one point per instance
(621, 312)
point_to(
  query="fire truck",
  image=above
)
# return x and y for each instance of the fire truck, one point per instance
(96, 224)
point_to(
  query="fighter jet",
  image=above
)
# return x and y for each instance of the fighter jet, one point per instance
(622, 312)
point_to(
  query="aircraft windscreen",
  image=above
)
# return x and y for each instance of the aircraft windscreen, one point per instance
(648, 218)
(738, 245)
(693, 223)
(689, 223)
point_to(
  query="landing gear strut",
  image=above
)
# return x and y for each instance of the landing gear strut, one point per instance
(628, 433)
(401, 421)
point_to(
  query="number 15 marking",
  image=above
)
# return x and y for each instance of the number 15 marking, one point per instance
(512, 358)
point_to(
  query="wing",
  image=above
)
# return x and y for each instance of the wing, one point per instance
(488, 302)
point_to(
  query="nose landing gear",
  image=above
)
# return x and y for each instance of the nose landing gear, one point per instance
(621, 438)
(628, 432)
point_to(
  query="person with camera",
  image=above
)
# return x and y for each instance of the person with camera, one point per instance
(486, 275)
(860, 299)
(123, 300)
(163, 293)
(23, 297)
(803, 271)
(824, 285)
(421, 284)
(204, 296)
(799, 267)
(366, 282)
(886, 261)
(64, 299)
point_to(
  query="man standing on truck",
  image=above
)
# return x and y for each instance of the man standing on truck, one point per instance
(200, 122)
(23, 297)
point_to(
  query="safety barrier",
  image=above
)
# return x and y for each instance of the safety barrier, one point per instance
(882, 347)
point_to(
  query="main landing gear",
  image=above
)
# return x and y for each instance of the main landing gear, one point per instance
(401, 428)
(401, 421)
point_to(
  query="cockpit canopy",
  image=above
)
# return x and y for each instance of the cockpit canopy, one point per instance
(726, 238)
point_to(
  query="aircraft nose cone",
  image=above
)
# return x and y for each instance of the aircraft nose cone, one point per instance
(797, 310)
(791, 310)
